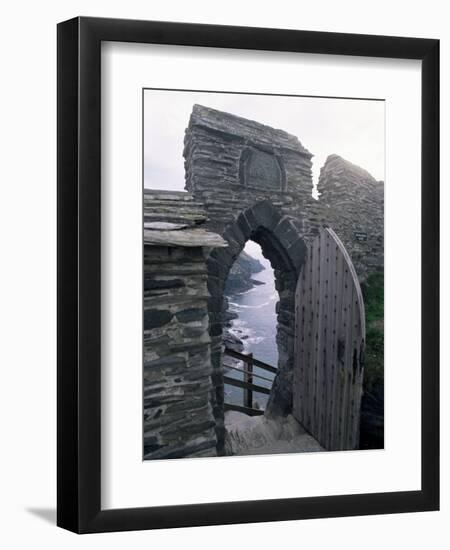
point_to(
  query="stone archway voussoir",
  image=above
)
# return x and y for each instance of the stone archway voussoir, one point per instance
(286, 232)
(266, 215)
(234, 233)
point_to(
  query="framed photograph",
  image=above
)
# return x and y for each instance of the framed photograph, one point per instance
(248, 256)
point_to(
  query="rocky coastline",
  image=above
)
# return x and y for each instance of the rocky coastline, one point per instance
(239, 280)
(240, 276)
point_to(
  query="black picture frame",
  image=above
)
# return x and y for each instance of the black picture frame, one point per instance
(79, 280)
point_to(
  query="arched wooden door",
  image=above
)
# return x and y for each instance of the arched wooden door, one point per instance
(329, 345)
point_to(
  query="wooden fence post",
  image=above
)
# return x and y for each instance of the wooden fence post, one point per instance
(248, 394)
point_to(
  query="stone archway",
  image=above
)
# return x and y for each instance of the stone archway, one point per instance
(245, 181)
(255, 182)
(281, 241)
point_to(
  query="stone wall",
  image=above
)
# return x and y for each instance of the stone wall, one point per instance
(232, 163)
(353, 205)
(218, 173)
(244, 181)
(178, 390)
(255, 182)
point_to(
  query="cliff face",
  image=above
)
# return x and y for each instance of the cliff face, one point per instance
(240, 276)
(239, 280)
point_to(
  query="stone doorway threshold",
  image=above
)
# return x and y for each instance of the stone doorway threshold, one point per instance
(258, 435)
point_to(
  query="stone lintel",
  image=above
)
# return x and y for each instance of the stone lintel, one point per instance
(190, 238)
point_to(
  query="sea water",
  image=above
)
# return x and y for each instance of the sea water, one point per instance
(256, 327)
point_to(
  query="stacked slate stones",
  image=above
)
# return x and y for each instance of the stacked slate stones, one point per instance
(354, 202)
(178, 391)
(232, 163)
(255, 183)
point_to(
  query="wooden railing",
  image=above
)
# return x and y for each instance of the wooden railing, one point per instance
(247, 383)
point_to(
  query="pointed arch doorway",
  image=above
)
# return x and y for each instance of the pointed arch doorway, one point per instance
(282, 243)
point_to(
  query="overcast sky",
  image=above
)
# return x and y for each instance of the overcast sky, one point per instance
(351, 128)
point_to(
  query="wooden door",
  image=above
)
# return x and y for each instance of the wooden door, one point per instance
(329, 345)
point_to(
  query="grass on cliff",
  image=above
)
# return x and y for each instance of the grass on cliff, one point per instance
(373, 293)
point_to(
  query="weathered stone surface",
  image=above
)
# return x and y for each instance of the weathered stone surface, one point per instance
(155, 284)
(265, 215)
(154, 318)
(255, 183)
(245, 181)
(173, 218)
(178, 390)
(240, 169)
(172, 207)
(186, 238)
(354, 203)
(164, 226)
(259, 168)
(248, 131)
(260, 435)
(192, 314)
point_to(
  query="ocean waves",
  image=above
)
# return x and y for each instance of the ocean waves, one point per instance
(236, 307)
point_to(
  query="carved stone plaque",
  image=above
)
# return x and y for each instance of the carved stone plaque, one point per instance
(261, 169)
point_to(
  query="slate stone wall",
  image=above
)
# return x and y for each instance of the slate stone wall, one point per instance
(353, 205)
(255, 182)
(178, 391)
(221, 153)
(232, 163)
(246, 181)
